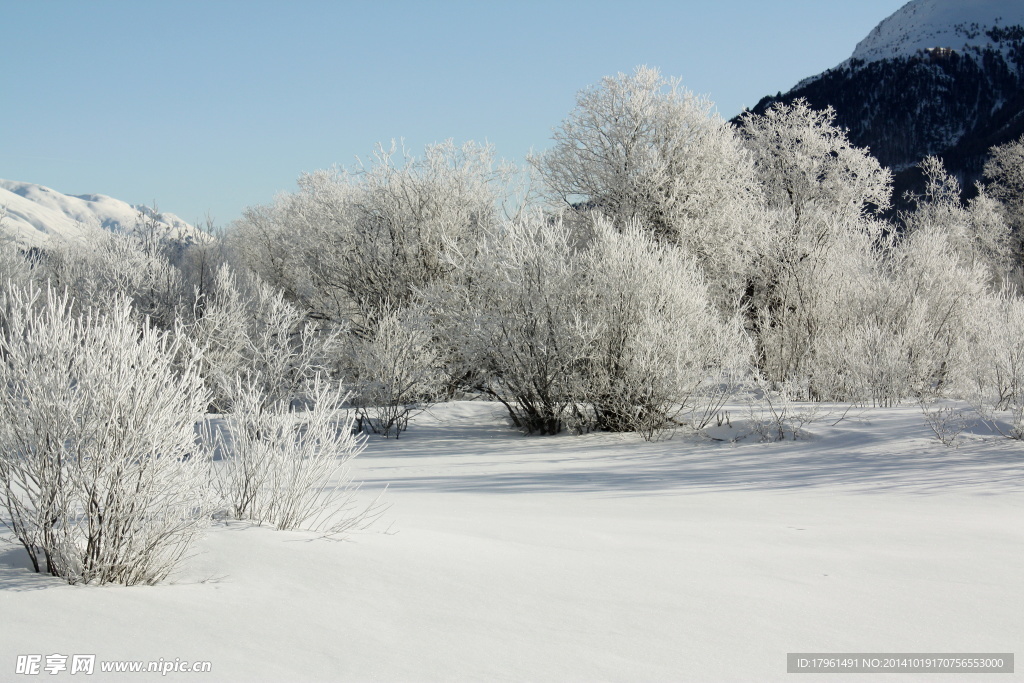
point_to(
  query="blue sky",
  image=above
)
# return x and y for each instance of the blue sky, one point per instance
(207, 107)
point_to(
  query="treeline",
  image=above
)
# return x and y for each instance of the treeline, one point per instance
(653, 263)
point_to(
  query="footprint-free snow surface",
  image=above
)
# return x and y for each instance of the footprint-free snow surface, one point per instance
(589, 558)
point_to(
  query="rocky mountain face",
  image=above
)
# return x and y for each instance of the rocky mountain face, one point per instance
(938, 77)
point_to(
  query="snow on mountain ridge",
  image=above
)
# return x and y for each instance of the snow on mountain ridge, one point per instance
(34, 213)
(938, 78)
(923, 24)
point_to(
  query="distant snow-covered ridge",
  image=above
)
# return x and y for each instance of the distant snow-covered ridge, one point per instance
(35, 213)
(936, 28)
(966, 26)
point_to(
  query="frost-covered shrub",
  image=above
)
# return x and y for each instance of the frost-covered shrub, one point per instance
(905, 330)
(808, 292)
(99, 475)
(394, 372)
(614, 329)
(246, 328)
(515, 324)
(1004, 172)
(286, 467)
(867, 362)
(997, 367)
(108, 266)
(976, 232)
(657, 344)
(933, 302)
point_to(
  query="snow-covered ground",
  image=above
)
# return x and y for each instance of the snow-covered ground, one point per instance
(600, 557)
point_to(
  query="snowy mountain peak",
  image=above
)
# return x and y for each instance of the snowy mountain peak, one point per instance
(938, 77)
(32, 213)
(964, 26)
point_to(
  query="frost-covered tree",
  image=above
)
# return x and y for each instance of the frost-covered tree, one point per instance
(820, 192)
(351, 243)
(807, 166)
(99, 475)
(642, 148)
(976, 231)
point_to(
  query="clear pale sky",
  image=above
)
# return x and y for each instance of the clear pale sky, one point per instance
(210, 106)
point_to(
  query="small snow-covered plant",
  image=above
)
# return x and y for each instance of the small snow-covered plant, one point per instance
(660, 346)
(285, 467)
(775, 415)
(396, 372)
(946, 422)
(98, 474)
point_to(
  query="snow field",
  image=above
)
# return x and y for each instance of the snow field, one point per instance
(600, 557)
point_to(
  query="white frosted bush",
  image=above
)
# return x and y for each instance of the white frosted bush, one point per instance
(247, 329)
(287, 467)
(914, 331)
(613, 331)
(977, 232)
(998, 362)
(933, 302)
(352, 242)
(396, 372)
(99, 475)
(98, 272)
(659, 348)
(515, 323)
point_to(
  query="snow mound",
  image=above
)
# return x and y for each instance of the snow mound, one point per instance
(35, 213)
(960, 25)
